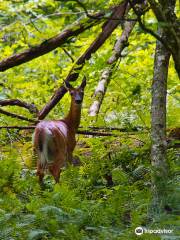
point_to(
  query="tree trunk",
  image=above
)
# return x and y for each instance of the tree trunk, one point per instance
(165, 13)
(158, 124)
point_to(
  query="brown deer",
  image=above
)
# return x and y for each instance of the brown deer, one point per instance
(54, 140)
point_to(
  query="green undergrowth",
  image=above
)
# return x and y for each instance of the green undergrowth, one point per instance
(107, 197)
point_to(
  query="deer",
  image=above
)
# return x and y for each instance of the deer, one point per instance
(54, 140)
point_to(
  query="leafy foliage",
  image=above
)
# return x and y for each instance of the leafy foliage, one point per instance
(83, 205)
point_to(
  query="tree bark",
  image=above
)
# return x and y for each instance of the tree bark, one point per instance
(100, 91)
(122, 42)
(164, 12)
(158, 124)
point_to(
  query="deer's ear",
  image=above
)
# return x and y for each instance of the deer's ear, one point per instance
(83, 84)
(67, 85)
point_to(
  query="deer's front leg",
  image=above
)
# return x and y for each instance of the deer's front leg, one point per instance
(55, 170)
(74, 160)
(69, 157)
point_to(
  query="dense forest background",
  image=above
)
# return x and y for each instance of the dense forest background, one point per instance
(129, 52)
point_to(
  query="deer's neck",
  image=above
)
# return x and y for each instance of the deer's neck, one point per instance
(74, 116)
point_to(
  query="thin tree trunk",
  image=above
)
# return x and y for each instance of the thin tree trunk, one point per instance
(158, 124)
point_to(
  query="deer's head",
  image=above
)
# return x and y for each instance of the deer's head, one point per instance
(77, 94)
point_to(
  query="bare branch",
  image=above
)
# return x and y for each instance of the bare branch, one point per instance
(17, 127)
(16, 116)
(148, 30)
(122, 42)
(48, 45)
(84, 8)
(85, 132)
(82, 5)
(136, 129)
(16, 102)
(133, 129)
(157, 10)
(100, 91)
(68, 54)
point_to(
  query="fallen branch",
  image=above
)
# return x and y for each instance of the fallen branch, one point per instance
(93, 133)
(49, 44)
(134, 129)
(100, 91)
(173, 135)
(16, 102)
(84, 132)
(122, 42)
(101, 88)
(17, 127)
(16, 116)
(108, 27)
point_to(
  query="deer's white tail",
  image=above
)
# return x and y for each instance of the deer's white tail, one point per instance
(45, 144)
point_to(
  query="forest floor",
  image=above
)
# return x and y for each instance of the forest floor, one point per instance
(106, 197)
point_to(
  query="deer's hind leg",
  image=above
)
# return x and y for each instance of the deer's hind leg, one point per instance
(74, 160)
(40, 172)
(55, 168)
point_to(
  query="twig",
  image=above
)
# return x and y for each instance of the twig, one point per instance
(82, 5)
(68, 54)
(84, 8)
(147, 29)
